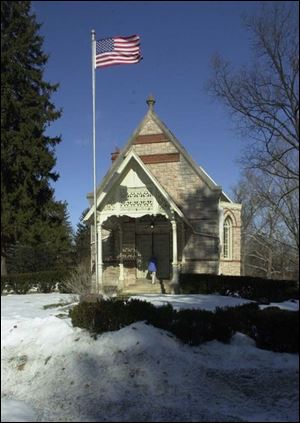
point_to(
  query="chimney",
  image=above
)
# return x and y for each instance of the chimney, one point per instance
(115, 154)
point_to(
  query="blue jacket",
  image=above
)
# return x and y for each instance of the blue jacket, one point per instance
(152, 267)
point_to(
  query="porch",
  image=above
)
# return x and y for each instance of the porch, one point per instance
(127, 247)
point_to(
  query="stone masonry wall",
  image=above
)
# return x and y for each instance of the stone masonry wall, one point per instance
(233, 266)
(197, 201)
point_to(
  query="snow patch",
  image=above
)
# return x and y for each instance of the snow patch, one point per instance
(16, 411)
(193, 301)
(54, 372)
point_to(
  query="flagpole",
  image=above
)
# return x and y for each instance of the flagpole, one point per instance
(94, 158)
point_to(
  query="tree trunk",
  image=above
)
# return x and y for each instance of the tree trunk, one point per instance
(3, 266)
(270, 264)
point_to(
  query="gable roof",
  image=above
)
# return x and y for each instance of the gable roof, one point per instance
(198, 169)
(114, 177)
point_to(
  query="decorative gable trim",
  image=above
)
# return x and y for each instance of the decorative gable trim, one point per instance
(115, 177)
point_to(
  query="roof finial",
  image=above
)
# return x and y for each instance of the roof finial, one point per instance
(150, 101)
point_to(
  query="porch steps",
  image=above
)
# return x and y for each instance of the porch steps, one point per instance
(147, 288)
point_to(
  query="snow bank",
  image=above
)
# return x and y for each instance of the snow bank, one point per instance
(140, 373)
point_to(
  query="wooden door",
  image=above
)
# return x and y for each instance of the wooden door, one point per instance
(161, 250)
(162, 254)
(143, 254)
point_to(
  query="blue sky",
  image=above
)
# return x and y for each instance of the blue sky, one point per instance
(178, 40)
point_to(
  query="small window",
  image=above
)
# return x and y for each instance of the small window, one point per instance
(227, 238)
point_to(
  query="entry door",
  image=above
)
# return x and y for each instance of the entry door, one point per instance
(162, 254)
(143, 254)
(161, 248)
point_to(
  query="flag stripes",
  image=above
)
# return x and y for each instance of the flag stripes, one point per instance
(117, 51)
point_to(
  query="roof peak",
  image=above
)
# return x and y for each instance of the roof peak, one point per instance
(150, 101)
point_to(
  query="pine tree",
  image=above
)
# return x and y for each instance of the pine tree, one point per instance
(27, 153)
(82, 241)
(50, 246)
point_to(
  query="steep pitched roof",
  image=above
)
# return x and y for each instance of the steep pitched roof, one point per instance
(151, 115)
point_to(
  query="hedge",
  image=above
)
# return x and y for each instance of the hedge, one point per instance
(46, 281)
(257, 289)
(271, 328)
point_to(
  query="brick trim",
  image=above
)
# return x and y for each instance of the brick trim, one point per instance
(149, 139)
(160, 158)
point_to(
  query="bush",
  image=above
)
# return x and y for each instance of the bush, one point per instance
(272, 329)
(277, 330)
(194, 327)
(112, 314)
(240, 318)
(21, 283)
(257, 289)
(162, 317)
(78, 281)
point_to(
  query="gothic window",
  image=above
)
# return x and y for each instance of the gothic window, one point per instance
(227, 238)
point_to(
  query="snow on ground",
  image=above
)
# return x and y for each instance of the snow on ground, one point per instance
(54, 372)
(291, 305)
(208, 302)
(16, 411)
(194, 301)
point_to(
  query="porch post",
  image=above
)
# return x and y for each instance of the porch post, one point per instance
(99, 283)
(121, 265)
(182, 243)
(175, 277)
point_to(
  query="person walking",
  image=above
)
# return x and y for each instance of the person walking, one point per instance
(152, 268)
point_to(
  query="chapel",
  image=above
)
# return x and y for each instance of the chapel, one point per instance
(156, 201)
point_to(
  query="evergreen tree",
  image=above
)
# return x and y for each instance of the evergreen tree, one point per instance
(27, 154)
(82, 241)
(50, 245)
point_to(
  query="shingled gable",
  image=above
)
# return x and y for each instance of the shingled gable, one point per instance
(161, 133)
(119, 171)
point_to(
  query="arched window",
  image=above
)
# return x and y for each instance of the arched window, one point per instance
(227, 238)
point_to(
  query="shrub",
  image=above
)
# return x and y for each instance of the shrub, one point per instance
(191, 326)
(257, 289)
(277, 330)
(21, 283)
(138, 310)
(272, 329)
(197, 326)
(162, 317)
(101, 316)
(78, 281)
(239, 318)
(112, 314)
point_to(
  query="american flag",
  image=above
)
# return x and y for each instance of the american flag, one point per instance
(117, 51)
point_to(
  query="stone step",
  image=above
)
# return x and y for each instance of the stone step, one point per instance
(147, 288)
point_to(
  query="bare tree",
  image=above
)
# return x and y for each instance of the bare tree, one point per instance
(264, 99)
(268, 244)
